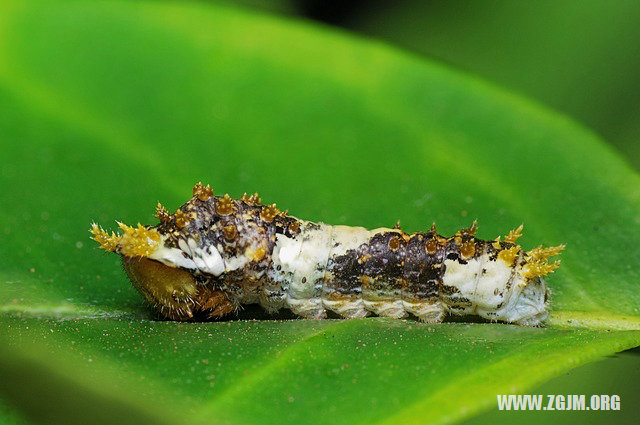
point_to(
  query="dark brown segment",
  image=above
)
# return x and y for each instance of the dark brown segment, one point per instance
(375, 265)
(451, 294)
(423, 271)
(344, 272)
(386, 266)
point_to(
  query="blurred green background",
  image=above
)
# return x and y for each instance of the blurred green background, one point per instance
(580, 57)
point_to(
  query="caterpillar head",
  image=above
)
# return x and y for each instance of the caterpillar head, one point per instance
(169, 264)
(153, 269)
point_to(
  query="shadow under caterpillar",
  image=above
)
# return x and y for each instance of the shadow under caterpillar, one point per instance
(216, 253)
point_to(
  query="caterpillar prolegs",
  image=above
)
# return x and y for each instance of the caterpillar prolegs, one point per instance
(216, 253)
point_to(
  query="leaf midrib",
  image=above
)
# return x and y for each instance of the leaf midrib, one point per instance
(566, 319)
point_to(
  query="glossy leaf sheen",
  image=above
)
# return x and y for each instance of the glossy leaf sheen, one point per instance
(109, 107)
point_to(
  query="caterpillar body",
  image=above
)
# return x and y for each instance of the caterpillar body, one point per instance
(216, 253)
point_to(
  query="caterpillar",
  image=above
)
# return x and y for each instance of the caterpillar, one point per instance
(216, 253)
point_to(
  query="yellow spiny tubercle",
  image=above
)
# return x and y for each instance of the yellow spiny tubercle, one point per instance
(255, 199)
(138, 241)
(135, 242)
(514, 235)
(509, 255)
(471, 231)
(202, 192)
(225, 205)
(268, 213)
(538, 268)
(537, 264)
(251, 200)
(539, 253)
(181, 219)
(468, 249)
(107, 242)
(162, 214)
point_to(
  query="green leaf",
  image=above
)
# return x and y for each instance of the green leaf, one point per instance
(108, 108)
(571, 55)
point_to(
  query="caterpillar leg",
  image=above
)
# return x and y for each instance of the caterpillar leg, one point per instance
(311, 308)
(347, 306)
(214, 303)
(429, 311)
(386, 308)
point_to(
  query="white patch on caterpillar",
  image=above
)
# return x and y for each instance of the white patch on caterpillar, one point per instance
(172, 257)
(300, 262)
(303, 262)
(236, 262)
(346, 238)
(527, 303)
(491, 286)
(496, 291)
(504, 294)
(464, 277)
(207, 260)
(286, 251)
(213, 261)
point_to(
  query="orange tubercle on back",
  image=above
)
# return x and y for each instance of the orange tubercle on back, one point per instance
(468, 249)
(225, 205)
(162, 214)
(202, 192)
(269, 212)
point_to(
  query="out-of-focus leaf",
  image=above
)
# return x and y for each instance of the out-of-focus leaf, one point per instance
(580, 57)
